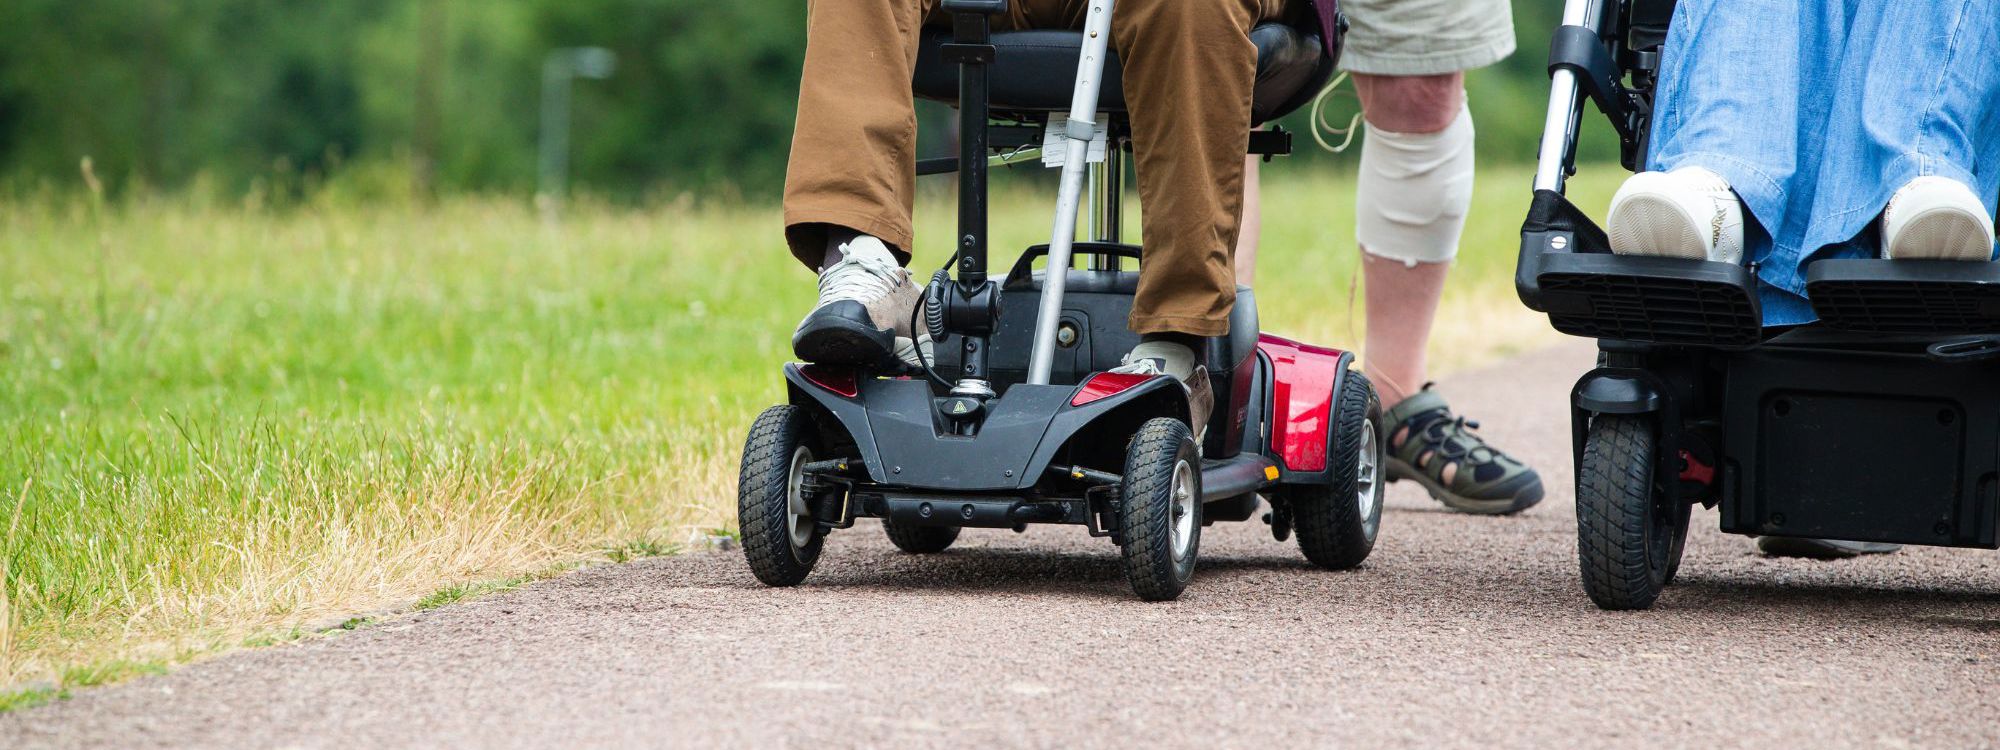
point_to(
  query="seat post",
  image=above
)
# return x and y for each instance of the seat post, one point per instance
(1107, 189)
(973, 306)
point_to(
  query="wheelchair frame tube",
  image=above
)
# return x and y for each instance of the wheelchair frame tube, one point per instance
(1081, 128)
(1565, 115)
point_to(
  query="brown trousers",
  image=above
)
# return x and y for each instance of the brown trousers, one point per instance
(1189, 68)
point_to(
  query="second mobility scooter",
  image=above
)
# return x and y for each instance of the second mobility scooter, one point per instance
(1880, 422)
(1017, 422)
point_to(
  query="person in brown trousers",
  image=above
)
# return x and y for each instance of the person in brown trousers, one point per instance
(1189, 69)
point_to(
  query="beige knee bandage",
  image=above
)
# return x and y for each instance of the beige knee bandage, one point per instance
(1414, 190)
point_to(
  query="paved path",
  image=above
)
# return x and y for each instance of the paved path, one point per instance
(1458, 632)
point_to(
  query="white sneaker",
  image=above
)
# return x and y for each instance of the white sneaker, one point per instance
(1687, 213)
(865, 305)
(1177, 362)
(1158, 358)
(1936, 218)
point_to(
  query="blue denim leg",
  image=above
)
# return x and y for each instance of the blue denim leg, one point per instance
(1732, 99)
(1816, 111)
(1918, 94)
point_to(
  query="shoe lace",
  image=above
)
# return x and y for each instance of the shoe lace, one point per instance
(1453, 438)
(861, 278)
(1144, 366)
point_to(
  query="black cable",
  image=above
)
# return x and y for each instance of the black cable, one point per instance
(916, 315)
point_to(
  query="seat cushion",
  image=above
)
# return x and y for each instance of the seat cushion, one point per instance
(1034, 71)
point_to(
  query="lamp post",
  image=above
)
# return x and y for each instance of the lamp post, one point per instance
(559, 69)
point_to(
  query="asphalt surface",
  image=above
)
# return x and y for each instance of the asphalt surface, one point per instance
(1459, 631)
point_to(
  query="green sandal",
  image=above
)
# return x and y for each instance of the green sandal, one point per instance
(1427, 444)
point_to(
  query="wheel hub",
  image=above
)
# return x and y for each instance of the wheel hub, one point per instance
(798, 513)
(1367, 471)
(1181, 520)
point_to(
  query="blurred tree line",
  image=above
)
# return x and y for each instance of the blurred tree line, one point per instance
(417, 95)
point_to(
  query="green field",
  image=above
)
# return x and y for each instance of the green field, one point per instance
(218, 421)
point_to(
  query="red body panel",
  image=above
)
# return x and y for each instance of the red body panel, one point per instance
(840, 380)
(1105, 384)
(1302, 380)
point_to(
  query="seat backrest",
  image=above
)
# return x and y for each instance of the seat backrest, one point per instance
(1647, 23)
(1033, 71)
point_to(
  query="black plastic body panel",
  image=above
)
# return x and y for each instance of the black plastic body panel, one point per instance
(1863, 445)
(1095, 307)
(1833, 435)
(903, 442)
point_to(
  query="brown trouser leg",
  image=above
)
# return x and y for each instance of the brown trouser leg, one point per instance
(1189, 70)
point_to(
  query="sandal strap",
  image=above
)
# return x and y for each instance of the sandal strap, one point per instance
(1436, 440)
(1416, 405)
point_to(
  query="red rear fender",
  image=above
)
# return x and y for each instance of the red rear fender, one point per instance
(1303, 378)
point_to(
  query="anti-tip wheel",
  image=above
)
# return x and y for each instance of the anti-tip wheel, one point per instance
(1159, 511)
(1337, 522)
(780, 538)
(1629, 535)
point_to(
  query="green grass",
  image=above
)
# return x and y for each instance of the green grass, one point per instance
(217, 423)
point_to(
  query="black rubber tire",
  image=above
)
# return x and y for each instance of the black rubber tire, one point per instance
(1628, 542)
(1146, 509)
(1332, 531)
(763, 493)
(920, 540)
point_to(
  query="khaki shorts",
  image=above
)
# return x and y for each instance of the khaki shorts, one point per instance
(1426, 37)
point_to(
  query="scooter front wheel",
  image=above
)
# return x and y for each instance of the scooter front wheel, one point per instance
(781, 539)
(1159, 509)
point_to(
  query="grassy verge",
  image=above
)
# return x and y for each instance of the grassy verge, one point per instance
(219, 423)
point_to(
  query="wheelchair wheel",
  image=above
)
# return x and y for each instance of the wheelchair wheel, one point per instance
(1629, 535)
(920, 540)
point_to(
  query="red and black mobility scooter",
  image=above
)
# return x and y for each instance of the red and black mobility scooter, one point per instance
(1017, 421)
(1880, 422)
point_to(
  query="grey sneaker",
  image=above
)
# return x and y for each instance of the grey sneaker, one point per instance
(1820, 549)
(1440, 451)
(863, 318)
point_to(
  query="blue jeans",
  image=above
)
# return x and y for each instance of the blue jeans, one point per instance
(1816, 111)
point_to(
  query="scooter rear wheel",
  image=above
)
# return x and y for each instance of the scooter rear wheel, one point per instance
(1338, 521)
(920, 540)
(1159, 509)
(781, 539)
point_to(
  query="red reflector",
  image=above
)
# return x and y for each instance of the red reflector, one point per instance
(1105, 385)
(838, 380)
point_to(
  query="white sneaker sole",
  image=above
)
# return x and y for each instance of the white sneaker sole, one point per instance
(1657, 226)
(1943, 233)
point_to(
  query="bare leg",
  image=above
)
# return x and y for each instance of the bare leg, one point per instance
(1403, 299)
(1252, 229)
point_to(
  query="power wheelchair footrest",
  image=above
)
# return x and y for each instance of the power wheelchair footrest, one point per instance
(1568, 271)
(1906, 296)
(1659, 300)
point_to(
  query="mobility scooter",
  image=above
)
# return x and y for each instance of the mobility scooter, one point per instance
(1017, 421)
(1880, 422)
